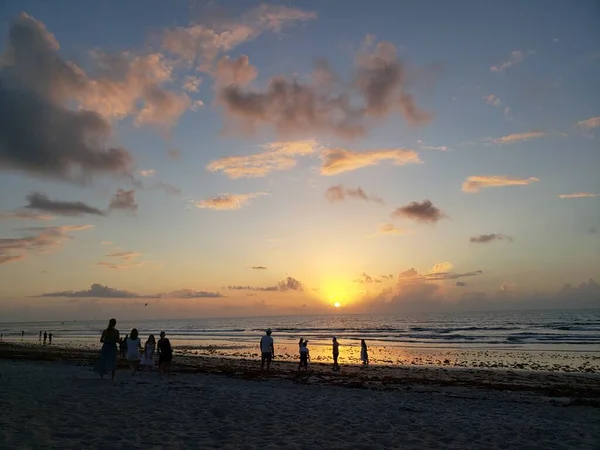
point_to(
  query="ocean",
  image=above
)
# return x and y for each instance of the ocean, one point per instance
(531, 340)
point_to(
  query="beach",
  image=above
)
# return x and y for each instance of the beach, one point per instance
(51, 398)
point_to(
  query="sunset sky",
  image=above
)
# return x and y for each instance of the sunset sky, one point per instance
(239, 158)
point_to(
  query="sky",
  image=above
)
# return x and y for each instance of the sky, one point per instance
(189, 159)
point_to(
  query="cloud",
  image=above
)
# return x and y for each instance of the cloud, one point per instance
(27, 215)
(37, 88)
(259, 267)
(339, 193)
(460, 284)
(517, 137)
(495, 101)
(106, 243)
(41, 202)
(226, 201)
(117, 265)
(474, 184)
(234, 71)
(147, 172)
(190, 293)
(124, 201)
(411, 275)
(200, 44)
(337, 160)
(424, 212)
(292, 107)
(126, 256)
(364, 278)
(515, 57)
(277, 156)
(578, 195)
(174, 153)
(288, 284)
(40, 240)
(588, 124)
(388, 228)
(95, 291)
(169, 189)
(486, 238)
(442, 267)
(192, 83)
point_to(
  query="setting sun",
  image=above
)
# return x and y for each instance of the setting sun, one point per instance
(337, 304)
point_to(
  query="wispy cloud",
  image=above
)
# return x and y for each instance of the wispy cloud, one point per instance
(174, 153)
(579, 195)
(26, 215)
(100, 291)
(337, 160)
(487, 238)
(474, 184)
(339, 193)
(388, 228)
(106, 243)
(288, 284)
(514, 58)
(411, 275)
(191, 293)
(277, 156)
(588, 124)
(192, 83)
(424, 212)
(40, 240)
(147, 172)
(516, 138)
(41, 202)
(259, 267)
(367, 279)
(234, 71)
(227, 201)
(124, 201)
(121, 265)
(126, 256)
(495, 101)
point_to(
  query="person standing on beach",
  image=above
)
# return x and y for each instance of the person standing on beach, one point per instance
(165, 354)
(267, 350)
(40, 336)
(304, 356)
(50, 338)
(336, 354)
(22, 334)
(107, 362)
(45, 337)
(134, 344)
(149, 349)
(364, 353)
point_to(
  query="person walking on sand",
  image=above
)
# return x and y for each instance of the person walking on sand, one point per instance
(107, 362)
(364, 353)
(45, 337)
(304, 356)
(134, 344)
(149, 349)
(165, 354)
(267, 350)
(50, 338)
(336, 354)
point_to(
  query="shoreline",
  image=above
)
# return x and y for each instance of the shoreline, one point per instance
(572, 387)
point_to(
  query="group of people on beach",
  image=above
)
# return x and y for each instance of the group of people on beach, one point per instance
(131, 348)
(267, 350)
(47, 337)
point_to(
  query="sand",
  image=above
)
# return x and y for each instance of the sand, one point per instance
(64, 405)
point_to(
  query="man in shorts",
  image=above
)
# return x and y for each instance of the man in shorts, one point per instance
(267, 350)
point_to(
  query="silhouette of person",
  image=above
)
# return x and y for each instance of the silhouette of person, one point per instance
(50, 338)
(267, 350)
(336, 354)
(45, 337)
(304, 356)
(22, 334)
(107, 362)
(364, 353)
(40, 336)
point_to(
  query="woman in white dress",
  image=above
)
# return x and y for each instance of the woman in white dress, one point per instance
(149, 349)
(133, 350)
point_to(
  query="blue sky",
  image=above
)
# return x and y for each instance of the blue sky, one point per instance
(503, 91)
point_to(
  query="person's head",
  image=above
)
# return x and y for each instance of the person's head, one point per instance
(305, 343)
(362, 342)
(162, 334)
(112, 323)
(334, 339)
(151, 339)
(301, 340)
(126, 336)
(268, 332)
(134, 333)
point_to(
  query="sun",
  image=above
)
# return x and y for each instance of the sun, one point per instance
(337, 304)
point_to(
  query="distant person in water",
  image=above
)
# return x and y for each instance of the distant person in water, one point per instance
(149, 349)
(134, 344)
(40, 336)
(304, 356)
(336, 353)
(22, 334)
(50, 338)
(267, 350)
(107, 362)
(165, 354)
(364, 353)
(45, 337)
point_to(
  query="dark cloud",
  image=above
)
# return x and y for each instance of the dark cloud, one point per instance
(190, 293)
(460, 284)
(259, 267)
(364, 278)
(124, 200)
(95, 291)
(41, 202)
(387, 277)
(339, 193)
(487, 238)
(325, 105)
(288, 284)
(39, 134)
(421, 212)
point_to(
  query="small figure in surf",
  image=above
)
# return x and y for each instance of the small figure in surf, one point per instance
(50, 338)
(45, 337)
(40, 336)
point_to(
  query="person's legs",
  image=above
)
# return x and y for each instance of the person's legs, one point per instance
(269, 362)
(263, 359)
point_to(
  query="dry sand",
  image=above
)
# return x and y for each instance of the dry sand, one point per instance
(49, 404)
